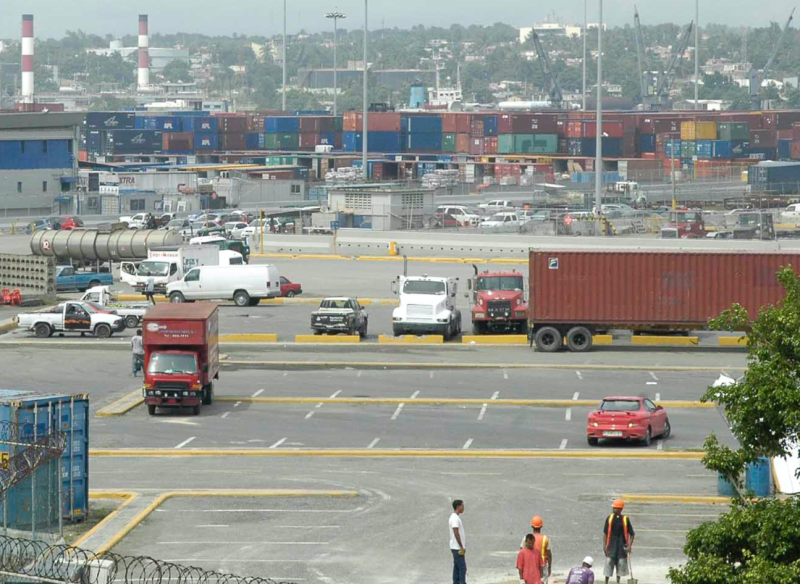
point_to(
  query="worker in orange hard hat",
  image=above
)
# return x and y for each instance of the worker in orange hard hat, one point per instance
(542, 546)
(618, 538)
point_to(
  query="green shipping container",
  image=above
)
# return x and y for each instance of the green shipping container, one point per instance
(688, 149)
(271, 141)
(535, 143)
(337, 124)
(290, 141)
(448, 142)
(733, 131)
(505, 144)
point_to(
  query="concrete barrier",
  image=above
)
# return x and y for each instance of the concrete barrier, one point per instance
(494, 339)
(663, 340)
(334, 339)
(249, 338)
(733, 342)
(412, 339)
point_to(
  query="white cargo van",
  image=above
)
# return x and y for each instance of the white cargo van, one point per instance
(245, 285)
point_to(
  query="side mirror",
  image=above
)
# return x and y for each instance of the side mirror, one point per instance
(394, 286)
(469, 284)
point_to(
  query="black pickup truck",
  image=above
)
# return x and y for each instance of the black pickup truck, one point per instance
(340, 315)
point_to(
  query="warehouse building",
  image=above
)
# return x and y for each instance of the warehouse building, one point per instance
(38, 162)
(383, 208)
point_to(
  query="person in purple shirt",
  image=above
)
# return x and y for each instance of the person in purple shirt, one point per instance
(582, 574)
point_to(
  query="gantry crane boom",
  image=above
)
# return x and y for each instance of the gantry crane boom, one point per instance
(553, 88)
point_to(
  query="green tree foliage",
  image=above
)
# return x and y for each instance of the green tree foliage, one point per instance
(177, 72)
(757, 541)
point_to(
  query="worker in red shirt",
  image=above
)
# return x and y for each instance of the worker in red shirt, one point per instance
(618, 537)
(541, 545)
(529, 563)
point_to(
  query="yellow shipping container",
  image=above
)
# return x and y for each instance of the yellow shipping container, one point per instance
(698, 130)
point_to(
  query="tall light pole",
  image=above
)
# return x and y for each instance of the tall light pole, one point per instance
(696, 52)
(335, 16)
(585, 29)
(283, 100)
(365, 104)
(598, 157)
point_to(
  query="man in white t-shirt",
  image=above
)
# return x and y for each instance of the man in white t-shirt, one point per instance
(458, 543)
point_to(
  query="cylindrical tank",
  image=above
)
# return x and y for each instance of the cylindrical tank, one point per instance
(92, 245)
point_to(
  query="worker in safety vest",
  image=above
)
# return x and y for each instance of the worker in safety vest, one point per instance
(541, 545)
(618, 537)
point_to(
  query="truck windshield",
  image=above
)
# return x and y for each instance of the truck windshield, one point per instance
(171, 363)
(687, 217)
(153, 268)
(500, 283)
(423, 287)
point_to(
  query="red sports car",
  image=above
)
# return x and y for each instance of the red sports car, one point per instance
(627, 418)
(290, 288)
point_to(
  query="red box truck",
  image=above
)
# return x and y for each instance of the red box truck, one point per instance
(181, 355)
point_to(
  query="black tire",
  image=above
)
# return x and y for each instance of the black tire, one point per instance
(398, 331)
(151, 409)
(478, 327)
(317, 332)
(241, 298)
(548, 339)
(196, 410)
(94, 283)
(254, 301)
(102, 331)
(579, 339)
(43, 330)
(648, 438)
(291, 293)
(592, 441)
(177, 298)
(667, 430)
(448, 332)
(208, 394)
(131, 321)
(363, 331)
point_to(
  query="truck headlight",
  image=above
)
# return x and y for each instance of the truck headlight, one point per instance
(519, 301)
(480, 301)
(185, 393)
(158, 392)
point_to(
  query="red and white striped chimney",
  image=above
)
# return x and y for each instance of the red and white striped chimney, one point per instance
(27, 57)
(144, 55)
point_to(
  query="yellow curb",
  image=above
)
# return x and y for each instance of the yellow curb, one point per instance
(121, 406)
(494, 339)
(7, 327)
(696, 499)
(602, 340)
(301, 256)
(379, 258)
(128, 496)
(164, 497)
(552, 403)
(249, 338)
(732, 341)
(412, 340)
(327, 339)
(404, 453)
(662, 340)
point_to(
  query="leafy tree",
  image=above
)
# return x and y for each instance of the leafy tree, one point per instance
(756, 541)
(177, 72)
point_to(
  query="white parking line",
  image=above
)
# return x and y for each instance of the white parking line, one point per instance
(431, 375)
(185, 442)
(415, 394)
(563, 444)
(212, 525)
(278, 443)
(309, 414)
(307, 526)
(575, 396)
(335, 393)
(237, 404)
(568, 415)
(359, 373)
(653, 375)
(660, 445)
(285, 373)
(319, 405)
(467, 444)
(652, 383)
(578, 373)
(495, 394)
(483, 412)
(225, 415)
(373, 443)
(258, 393)
(397, 411)
(505, 374)
(658, 397)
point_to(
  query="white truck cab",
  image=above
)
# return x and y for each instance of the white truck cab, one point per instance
(427, 305)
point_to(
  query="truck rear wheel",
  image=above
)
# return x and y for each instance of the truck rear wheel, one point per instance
(43, 330)
(131, 321)
(548, 339)
(254, 301)
(208, 394)
(579, 339)
(102, 331)
(177, 298)
(151, 409)
(94, 284)
(241, 298)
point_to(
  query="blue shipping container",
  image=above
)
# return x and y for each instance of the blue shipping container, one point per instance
(39, 414)
(111, 120)
(164, 123)
(254, 141)
(784, 149)
(329, 138)
(422, 142)
(281, 125)
(704, 148)
(421, 125)
(206, 141)
(761, 153)
(200, 124)
(647, 143)
(673, 149)
(352, 141)
(133, 141)
(490, 126)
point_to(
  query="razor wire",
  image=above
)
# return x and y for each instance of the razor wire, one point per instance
(28, 451)
(39, 561)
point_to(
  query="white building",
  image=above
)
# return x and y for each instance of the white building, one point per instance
(159, 58)
(554, 28)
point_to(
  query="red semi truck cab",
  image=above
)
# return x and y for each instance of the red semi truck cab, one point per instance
(685, 224)
(181, 355)
(499, 302)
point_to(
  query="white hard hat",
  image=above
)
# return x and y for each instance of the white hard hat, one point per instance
(588, 561)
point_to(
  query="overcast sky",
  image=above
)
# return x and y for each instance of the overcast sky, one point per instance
(54, 17)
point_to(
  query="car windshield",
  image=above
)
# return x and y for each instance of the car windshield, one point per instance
(94, 307)
(153, 268)
(500, 283)
(171, 363)
(423, 287)
(198, 225)
(619, 405)
(175, 223)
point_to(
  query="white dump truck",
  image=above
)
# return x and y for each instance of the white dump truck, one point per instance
(427, 306)
(168, 264)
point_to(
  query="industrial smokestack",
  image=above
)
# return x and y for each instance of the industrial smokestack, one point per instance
(27, 58)
(144, 56)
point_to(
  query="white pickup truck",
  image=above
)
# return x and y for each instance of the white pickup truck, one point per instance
(70, 317)
(101, 299)
(427, 305)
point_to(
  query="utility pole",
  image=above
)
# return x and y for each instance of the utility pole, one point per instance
(598, 158)
(335, 16)
(585, 31)
(365, 104)
(696, 52)
(672, 173)
(283, 96)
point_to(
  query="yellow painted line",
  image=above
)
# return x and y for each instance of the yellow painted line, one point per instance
(127, 496)
(494, 339)
(249, 338)
(602, 340)
(301, 256)
(508, 261)
(379, 258)
(164, 497)
(691, 499)
(8, 326)
(399, 453)
(327, 339)
(412, 340)
(121, 406)
(548, 403)
(732, 341)
(422, 365)
(662, 340)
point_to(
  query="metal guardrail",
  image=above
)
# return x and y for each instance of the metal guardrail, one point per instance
(36, 561)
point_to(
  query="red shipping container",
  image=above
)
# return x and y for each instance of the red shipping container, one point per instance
(785, 119)
(309, 125)
(463, 123)
(611, 129)
(177, 141)
(476, 146)
(83, 155)
(672, 287)
(575, 129)
(232, 123)
(763, 139)
(667, 124)
(255, 122)
(377, 122)
(352, 121)
(449, 124)
(795, 151)
(504, 124)
(476, 128)
(648, 155)
(646, 124)
(490, 145)
(533, 123)
(308, 141)
(561, 128)
(233, 141)
(786, 134)
(462, 143)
